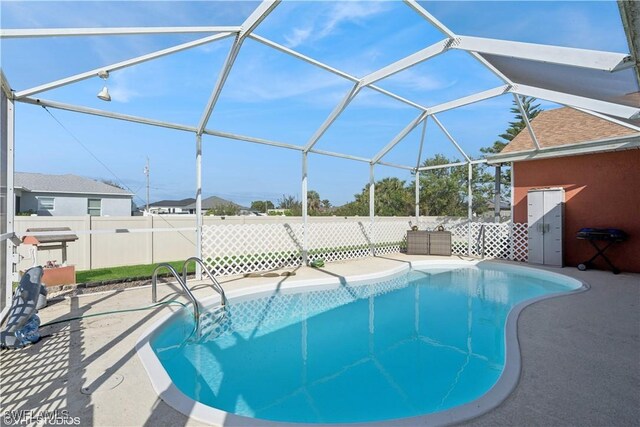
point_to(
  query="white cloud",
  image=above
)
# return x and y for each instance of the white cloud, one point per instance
(415, 80)
(297, 36)
(120, 85)
(331, 18)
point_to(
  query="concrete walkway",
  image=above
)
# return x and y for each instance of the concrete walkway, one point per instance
(581, 356)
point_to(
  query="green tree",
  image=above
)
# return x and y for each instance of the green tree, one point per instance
(515, 127)
(314, 204)
(392, 198)
(444, 191)
(228, 209)
(290, 204)
(261, 205)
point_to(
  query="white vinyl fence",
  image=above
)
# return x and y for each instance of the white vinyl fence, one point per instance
(236, 245)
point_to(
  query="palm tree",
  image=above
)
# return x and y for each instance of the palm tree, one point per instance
(313, 202)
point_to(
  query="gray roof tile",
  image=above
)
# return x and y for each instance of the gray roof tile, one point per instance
(39, 182)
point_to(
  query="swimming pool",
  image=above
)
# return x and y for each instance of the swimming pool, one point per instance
(427, 341)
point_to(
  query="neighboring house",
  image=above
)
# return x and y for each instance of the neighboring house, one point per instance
(215, 202)
(505, 211)
(597, 162)
(69, 195)
(173, 206)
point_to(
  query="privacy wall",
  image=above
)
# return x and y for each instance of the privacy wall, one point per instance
(601, 191)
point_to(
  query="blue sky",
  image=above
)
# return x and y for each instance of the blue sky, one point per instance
(268, 94)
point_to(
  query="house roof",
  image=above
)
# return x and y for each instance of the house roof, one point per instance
(173, 203)
(214, 202)
(564, 126)
(45, 183)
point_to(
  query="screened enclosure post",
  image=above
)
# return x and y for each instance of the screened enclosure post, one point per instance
(199, 204)
(469, 206)
(305, 234)
(372, 205)
(417, 196)
(496, 196)
(513, 224)
(7, 200)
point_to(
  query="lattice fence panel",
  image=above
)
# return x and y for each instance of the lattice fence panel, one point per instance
(337, 241)
(390, 236)
(520, 242)
(243, 248)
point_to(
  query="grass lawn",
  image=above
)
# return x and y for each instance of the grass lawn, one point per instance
(129, 271)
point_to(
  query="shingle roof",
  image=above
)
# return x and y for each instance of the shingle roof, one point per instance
(214, 202)
(562, 126)
(40, 182)
(173, 203)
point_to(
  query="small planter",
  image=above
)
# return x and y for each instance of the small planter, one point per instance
(59, 276)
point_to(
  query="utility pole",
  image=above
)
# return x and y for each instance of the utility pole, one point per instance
(146, 172)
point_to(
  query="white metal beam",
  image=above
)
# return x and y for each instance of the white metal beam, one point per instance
(120, 65)
(407, 62)
(7, 161)
(450, 165)
(244, 138)
(469, 205)
(413, 4)
(399, 137)
(372, 207)
(5, 86)
(247, 27)
(527, 123)
(305, 208)
(604, 107)
(594, 59)
(333, 70)
(108, 114)
(339, 155)
(417, 195)
(453, 141)
(332, 116)
(470, 99)
(217, 90)
(198, 204)
(108, 31)
(301, 56)
(397, 166)
(446, 31)
(256, 17)
(422, 137)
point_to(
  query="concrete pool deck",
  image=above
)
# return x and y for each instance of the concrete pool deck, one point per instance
(580, 355)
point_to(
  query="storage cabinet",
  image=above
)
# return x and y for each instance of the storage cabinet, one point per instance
(546, 217)
(429, 243)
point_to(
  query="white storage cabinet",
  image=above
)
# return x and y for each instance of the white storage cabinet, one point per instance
(546, 217)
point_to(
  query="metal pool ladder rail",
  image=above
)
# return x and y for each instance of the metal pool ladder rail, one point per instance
(183, 284)
(216, 285)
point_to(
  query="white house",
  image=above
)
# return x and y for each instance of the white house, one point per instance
(69, 195)
(184, 206)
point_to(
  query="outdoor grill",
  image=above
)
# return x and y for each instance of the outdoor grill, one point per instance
(608, 235)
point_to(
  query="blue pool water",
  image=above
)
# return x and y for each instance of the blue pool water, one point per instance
(411, 344)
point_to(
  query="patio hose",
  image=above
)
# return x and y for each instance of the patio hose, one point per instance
(104, 313)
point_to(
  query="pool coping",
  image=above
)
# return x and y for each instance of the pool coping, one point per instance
(504, 386)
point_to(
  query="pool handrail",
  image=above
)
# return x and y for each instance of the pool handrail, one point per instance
(185, 288)
(216, 285)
